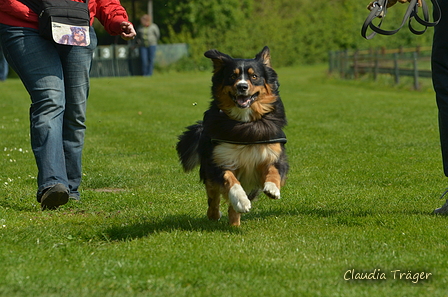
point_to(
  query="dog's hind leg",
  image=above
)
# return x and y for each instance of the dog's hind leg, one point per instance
(272, 182)
(214, 197)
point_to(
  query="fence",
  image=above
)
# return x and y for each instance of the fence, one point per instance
(413, 62)
(124, 60)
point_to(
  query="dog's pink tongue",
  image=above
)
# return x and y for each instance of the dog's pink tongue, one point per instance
(243, 101)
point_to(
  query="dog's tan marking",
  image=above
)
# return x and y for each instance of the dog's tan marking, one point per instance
(262, 105)
(230, 180)
(272, 175)
(225, 102)
(234, 217)
(272, 182)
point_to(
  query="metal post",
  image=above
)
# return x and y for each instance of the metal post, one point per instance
(330, 61)
(355, 64)
(396, 69)
(376, 66)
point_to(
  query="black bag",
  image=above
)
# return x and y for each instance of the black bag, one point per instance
(65, 22)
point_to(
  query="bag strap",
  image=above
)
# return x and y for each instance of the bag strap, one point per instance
(379, 10)
(34, 5)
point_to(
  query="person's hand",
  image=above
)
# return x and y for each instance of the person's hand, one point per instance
(127, 31)
(393, 2)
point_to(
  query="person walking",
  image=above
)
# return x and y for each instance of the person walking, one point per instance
(57, 79)
(149, 34)
(439, 66)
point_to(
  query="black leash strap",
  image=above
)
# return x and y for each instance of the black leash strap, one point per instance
(379, 10)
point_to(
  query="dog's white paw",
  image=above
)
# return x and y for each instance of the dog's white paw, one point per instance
(239, 199)
(271, 190)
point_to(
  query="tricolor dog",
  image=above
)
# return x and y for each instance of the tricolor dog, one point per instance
(239, 144)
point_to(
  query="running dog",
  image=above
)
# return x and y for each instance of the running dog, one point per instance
(239, 144)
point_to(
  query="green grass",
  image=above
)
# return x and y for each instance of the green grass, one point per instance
(365, 176)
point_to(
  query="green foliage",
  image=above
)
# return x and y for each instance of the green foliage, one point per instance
(298, 31)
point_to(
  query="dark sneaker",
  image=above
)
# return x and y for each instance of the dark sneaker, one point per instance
(444, 209)
(54, 196)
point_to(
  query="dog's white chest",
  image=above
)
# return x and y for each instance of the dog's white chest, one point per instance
(246, 161)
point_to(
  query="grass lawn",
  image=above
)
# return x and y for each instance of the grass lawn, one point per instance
(365, 176)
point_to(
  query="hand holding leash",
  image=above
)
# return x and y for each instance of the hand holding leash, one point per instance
(378, 9)
(391, 3)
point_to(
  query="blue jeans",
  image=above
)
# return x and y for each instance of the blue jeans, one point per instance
(57, 79)
(147, 56)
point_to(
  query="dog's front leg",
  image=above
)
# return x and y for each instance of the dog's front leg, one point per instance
(234, 217)
(272, 182)
(239, 203)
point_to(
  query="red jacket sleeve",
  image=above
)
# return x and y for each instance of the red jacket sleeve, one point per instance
(110, 13)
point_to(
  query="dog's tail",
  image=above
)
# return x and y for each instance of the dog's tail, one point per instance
(187, 147)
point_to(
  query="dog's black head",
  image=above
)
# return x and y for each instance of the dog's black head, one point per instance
(245, 89)
(78, 34)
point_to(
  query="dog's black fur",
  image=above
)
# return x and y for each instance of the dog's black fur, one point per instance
(240, 144)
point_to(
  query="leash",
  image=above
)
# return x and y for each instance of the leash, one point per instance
(379, 10)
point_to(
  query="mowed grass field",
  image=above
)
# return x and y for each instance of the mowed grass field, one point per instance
(365, 176)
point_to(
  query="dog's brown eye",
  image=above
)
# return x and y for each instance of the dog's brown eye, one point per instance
(233, 76)
(254, 76)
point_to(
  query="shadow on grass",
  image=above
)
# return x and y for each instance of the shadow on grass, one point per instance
(383, 218)
(185, 222)
(168, 224)
(334, 213)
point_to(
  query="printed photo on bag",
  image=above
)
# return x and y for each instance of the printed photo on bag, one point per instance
(70, 35)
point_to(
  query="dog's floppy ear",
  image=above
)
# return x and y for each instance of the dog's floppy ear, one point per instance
(218, 58)
(264, 56)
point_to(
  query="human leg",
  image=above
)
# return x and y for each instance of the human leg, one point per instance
(76, 63)
(439, 66)
(151, 57)
(144, 54)
(38, 65)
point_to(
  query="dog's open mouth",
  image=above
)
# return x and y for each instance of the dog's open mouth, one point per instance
(244, 101)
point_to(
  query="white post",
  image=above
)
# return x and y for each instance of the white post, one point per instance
(150, 8)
